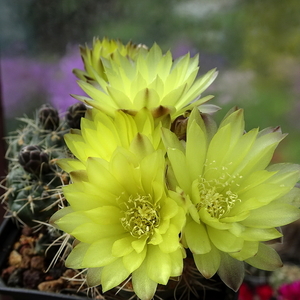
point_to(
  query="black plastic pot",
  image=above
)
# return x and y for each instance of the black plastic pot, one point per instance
(8, 235)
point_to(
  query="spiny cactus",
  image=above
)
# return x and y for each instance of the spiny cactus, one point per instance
(34, 179)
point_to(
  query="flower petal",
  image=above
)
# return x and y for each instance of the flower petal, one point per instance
(133, 260)
(196, 146)
(90, 232)
(113, 274)
(93, 276)
(177, 262)
(231, 271)
(272, 215)
(179, 166)
(265, 259)
(75, 258)
(143, 286)
(158, 265)
(224, 240)
(249, 250)
(170, 242)
(196, 238)
(99, 253)
(139, 244)
(208, 263)
(123, 246)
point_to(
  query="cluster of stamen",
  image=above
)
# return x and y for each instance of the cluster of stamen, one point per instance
(140, 216)
(216, 195)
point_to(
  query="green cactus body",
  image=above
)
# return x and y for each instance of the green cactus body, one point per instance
(30, 198)
(34, 180)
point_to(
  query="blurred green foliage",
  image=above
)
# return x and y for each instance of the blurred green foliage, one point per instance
(271, 30)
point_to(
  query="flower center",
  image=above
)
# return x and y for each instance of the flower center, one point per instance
(216, 197)
(140, 216)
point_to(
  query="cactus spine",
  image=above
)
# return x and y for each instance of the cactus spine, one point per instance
(34, 179)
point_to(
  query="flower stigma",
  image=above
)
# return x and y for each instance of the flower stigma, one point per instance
(140, 216)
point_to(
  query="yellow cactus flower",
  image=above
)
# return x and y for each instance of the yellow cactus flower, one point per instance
(125, 224)
(100, 135)
(151, 80)
(234, 199)
(105, 48)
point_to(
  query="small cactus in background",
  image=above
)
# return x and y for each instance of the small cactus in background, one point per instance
(74, 115)
(34, 179)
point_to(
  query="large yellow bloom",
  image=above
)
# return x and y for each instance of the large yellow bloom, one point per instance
(234, 200)
(125, 223)
(151, 80)
(120, 213)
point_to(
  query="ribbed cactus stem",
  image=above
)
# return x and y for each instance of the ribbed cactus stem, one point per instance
(33, 184)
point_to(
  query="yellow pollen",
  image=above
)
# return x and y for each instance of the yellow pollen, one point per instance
(140, 216)
(216, 197)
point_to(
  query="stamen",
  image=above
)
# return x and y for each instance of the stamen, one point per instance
(216, 195)
(140, 216)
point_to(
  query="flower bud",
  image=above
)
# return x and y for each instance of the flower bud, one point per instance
(34, 160)
(179, 127)
(48, 117)
(74, 114)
